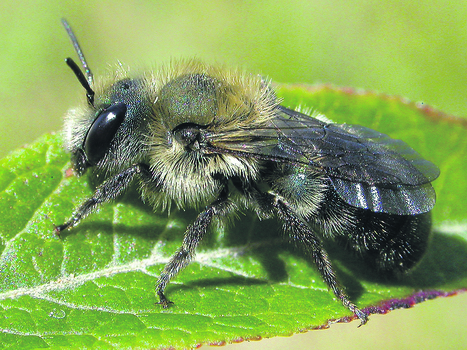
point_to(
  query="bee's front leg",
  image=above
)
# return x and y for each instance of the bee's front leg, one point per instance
(107, 191)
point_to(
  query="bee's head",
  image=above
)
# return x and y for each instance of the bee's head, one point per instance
(108, 133)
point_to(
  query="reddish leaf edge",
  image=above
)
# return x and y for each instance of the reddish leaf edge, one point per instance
(387, 306)
(428, 111)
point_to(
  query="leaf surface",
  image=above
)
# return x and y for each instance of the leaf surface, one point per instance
(94, 286)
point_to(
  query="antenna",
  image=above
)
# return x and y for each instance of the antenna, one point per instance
(86, 81)
(78, 50)
(79, 74)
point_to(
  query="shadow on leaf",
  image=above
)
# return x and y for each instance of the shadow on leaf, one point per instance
(444, 263)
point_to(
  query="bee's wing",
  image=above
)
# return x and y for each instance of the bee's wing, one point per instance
(368, 169)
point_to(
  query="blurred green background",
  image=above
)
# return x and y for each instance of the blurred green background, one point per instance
(416, 50)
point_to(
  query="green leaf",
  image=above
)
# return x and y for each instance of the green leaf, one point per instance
(94, 286)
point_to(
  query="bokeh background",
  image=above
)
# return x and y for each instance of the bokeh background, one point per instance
(417, 50)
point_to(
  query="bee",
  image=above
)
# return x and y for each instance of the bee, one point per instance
(200, 136)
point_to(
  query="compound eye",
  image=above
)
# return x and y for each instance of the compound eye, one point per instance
(102, 131)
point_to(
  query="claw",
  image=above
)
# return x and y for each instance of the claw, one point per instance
(163, 300)
(363, 317)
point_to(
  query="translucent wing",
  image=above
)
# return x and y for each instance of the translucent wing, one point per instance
(368, 169)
